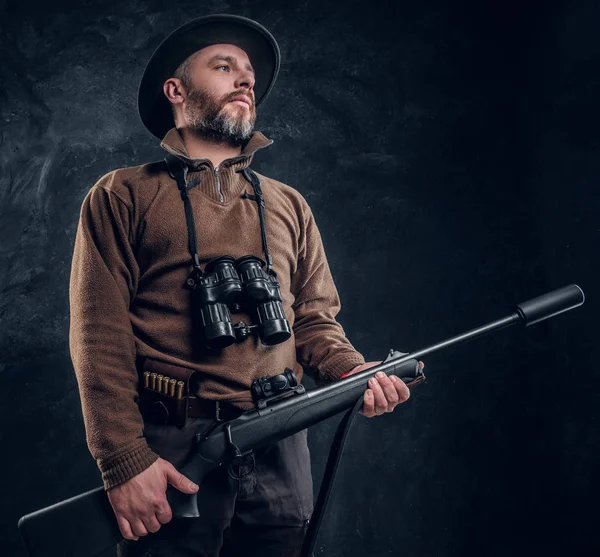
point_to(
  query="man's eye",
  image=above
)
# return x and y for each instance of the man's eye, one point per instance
(222, 67)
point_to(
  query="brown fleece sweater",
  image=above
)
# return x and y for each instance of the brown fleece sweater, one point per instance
(127, 298)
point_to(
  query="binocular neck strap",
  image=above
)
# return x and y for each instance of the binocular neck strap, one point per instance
(178, 171)
(260, 202)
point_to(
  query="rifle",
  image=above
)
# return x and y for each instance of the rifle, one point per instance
(86, 526)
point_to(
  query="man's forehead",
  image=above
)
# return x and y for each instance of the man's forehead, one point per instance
(225, 50)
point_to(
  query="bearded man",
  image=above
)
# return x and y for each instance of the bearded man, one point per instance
(135, 325)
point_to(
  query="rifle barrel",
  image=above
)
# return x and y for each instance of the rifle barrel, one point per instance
(527, 313)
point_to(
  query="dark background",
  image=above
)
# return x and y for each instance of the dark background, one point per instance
(449, 151)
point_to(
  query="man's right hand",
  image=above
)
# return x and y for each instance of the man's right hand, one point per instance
(140, 504)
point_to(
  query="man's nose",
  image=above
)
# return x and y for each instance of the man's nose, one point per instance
(245, 79)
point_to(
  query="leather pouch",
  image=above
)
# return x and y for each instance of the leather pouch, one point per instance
(167, 405)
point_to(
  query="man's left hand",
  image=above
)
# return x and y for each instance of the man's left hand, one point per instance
(384, 393)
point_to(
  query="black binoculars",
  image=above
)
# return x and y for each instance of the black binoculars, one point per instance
(230, 285)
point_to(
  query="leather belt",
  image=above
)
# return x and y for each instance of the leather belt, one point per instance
(165, 399)
(203, 408)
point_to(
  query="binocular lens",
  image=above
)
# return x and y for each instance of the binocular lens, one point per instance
(218, 328)
(274, 326)
(224, 265)
(250, 268)
(221, 281)
(274, 332)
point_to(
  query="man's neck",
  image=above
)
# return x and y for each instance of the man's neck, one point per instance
(200, 148)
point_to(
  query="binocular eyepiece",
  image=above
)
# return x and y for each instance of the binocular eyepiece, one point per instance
(228, 286)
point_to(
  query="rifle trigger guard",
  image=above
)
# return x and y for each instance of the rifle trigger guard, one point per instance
(231, 445)
(241, 464)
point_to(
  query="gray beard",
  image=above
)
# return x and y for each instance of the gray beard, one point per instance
(207, 119)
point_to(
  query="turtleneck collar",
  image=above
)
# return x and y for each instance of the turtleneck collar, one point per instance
(173, 143)
(224, 183)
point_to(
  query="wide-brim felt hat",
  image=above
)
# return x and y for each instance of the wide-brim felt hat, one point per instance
(254, 39)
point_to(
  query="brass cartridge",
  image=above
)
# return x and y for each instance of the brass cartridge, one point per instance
(180, 389)
(165, 388)
(153, 381)
(159, 379)
(146, 379)
(172, 384)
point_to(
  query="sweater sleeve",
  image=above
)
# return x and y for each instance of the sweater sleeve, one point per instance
(104, 275)
(321, 344)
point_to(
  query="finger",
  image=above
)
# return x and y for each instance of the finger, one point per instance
(389, 390)
(164, 513)
(125, 528)
(401, 389)
(138, 528)
(368, 408)
(179, 481)
(152, 524)
(421, 364)
(380, 400)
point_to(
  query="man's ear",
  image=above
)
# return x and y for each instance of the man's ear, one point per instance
(174, 90)
(175, 93)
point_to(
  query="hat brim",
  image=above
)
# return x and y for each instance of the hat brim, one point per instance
(250, 36)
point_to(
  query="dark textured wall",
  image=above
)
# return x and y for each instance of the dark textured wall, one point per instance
(449, 152)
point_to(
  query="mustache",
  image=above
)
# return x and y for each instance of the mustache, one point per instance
(245, 94)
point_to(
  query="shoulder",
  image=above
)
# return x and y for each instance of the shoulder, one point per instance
(283, 194)
(133, 183)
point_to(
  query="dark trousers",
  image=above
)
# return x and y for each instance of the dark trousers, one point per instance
(263, 514)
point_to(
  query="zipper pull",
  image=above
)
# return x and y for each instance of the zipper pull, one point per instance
(221, 197)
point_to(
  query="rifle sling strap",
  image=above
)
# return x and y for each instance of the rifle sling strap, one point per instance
(333, 460)
(179, 171)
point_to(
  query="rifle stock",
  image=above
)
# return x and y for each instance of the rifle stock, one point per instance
(85, 525)
(82, 525)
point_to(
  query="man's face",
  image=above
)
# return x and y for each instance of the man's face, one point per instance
(220, 73)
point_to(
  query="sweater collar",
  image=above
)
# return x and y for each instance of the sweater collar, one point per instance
(226, 185)
(173, 143)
